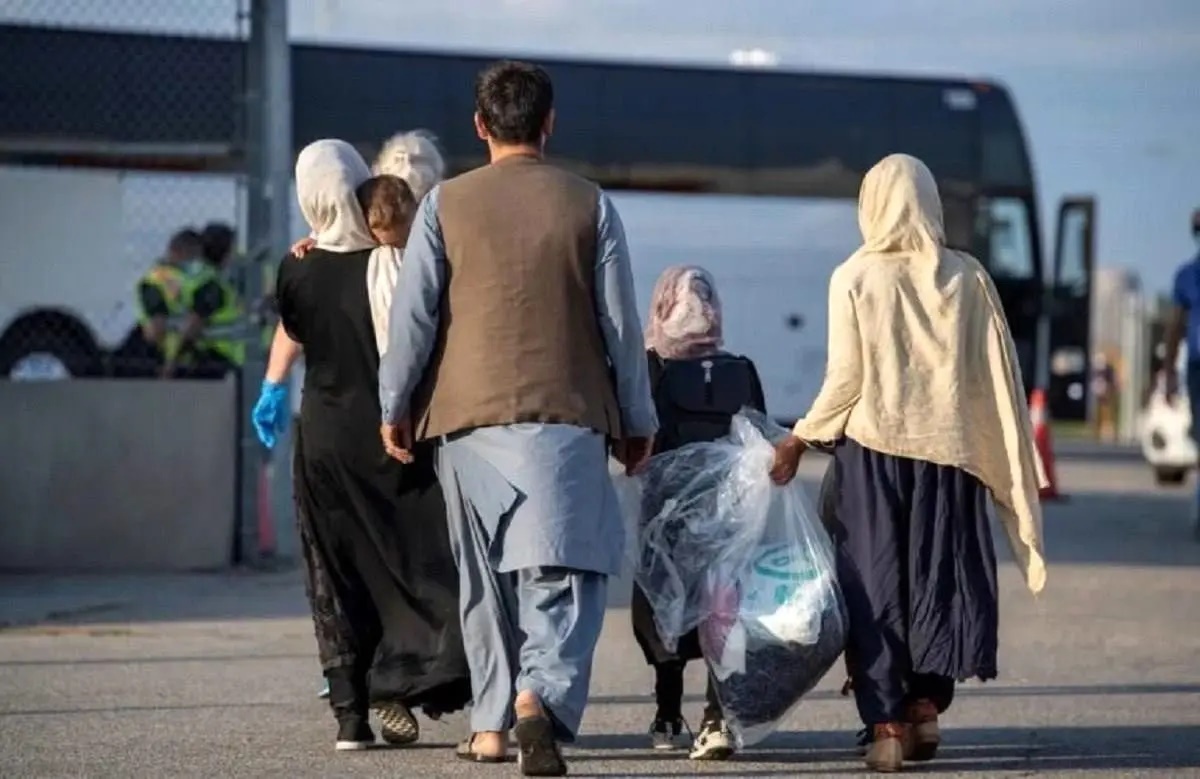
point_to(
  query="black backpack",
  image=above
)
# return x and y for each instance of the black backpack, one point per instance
(697, 398)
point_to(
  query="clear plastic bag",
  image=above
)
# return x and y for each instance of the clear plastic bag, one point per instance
(723, 550)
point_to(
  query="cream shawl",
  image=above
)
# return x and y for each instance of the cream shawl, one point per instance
(921, 363)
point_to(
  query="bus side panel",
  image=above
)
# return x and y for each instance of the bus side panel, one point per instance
(771, 259)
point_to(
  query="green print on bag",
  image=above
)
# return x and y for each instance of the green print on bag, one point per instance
(781, 562)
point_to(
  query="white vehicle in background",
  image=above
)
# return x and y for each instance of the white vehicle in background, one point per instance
(78, 242)
(1166, 432)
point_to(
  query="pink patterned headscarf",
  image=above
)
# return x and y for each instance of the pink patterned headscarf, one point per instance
(685, 314)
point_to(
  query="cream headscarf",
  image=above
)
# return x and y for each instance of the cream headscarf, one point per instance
(921, 363)
(327, 173)
(414, 157)
(685, 314)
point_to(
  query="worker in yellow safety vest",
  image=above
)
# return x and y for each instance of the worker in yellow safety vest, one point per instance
(155, 342)
(209, 323)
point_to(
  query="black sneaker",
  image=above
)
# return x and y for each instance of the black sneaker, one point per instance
(862, 740)
(667, 734)
(354, 734)
(715, 742)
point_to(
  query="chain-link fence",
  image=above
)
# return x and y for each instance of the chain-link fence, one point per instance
(121, 169)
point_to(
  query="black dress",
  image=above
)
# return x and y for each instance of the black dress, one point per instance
(379, 572)
(918, 571)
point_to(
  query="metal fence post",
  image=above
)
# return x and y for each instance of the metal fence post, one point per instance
(268, 155)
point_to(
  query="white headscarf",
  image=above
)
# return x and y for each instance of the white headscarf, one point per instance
(413, 157)
(327, 173)
(899, 208)
(921, 363)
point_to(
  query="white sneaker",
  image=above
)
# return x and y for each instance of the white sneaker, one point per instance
(715, 742)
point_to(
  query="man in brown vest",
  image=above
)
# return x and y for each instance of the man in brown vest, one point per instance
(514, 342)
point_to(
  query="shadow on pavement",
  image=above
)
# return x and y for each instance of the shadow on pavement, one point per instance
(1115, 529)
(964, 691)
(976, 750)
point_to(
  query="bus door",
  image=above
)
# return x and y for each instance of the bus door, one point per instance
(1070, 307)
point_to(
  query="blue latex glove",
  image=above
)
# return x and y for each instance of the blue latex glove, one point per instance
(270, 416)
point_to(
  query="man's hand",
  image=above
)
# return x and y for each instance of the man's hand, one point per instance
(301, 247)
(398, 440)
(787, 459)
(633, 453)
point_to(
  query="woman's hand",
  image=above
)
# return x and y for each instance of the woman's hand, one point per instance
(787, 459)
(301, 247)
(270, 416)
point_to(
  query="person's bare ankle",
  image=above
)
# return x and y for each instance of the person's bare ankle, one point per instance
(527, 705)
(493, 743)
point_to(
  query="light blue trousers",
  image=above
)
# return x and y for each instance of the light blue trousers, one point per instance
(533, 630)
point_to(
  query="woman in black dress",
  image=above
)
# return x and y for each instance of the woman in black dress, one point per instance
(380, 576)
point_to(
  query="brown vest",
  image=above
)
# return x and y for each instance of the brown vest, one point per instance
(520, 338)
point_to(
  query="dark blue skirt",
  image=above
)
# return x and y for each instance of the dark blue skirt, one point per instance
(918, 571)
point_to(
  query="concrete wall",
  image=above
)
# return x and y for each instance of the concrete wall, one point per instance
(117, 475)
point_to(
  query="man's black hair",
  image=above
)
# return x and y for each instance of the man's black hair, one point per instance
(514, 100)
(217, 238)
(186, 243)
(1196, 223)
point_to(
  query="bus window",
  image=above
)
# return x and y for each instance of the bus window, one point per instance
(1072, 273)
(937, 127)
(1010, 242)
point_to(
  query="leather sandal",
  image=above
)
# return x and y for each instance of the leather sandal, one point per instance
(466, 751)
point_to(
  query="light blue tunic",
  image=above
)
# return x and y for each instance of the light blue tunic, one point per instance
(542, 492)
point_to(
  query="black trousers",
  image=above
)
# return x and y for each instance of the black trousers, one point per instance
(668, 692)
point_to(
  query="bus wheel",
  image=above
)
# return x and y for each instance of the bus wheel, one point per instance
(48, 346)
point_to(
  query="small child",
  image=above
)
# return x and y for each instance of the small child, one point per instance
(698, 388)
(388, 206)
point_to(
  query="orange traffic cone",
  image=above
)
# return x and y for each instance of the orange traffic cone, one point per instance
(1041, 437)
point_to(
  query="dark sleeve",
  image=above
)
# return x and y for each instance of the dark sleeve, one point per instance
(655, 364)
(208, 299)
(828, 497)
(758, 399)
(153, 302)
(1181, 289)
(285, 296)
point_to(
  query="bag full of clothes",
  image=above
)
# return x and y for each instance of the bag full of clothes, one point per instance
(721, 548)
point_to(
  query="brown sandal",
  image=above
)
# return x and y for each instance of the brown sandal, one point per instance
(466, 751)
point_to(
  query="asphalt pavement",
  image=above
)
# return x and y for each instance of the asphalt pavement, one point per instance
(215, 675)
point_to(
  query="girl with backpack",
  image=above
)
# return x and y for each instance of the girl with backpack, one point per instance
(698, 387)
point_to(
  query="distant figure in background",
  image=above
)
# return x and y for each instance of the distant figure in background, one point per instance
(211, 335)
(1104, 390)
(1184, 323)
(218, 239)
(155, 342)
